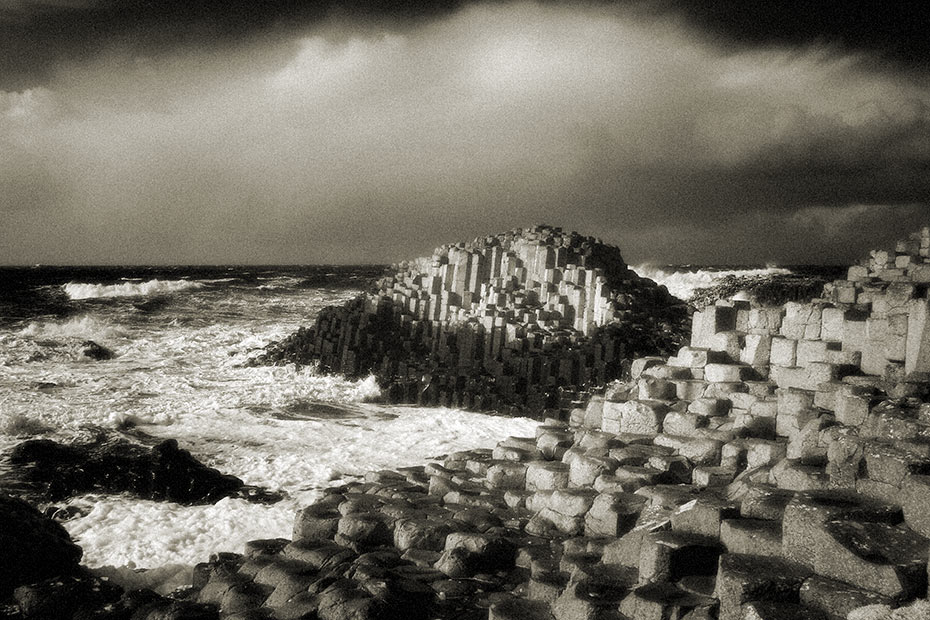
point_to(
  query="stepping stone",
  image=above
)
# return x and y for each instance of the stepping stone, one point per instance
(591, 598)
(613, 514)
(660, 601)
(836, 598)
(777, 610)
(765, 502)
(751, 536)
(702, 516)
(743, 578)
(670, 555)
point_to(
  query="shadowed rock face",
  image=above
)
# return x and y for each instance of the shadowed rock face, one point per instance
(34, 547)
(46, 471)
(522, 322)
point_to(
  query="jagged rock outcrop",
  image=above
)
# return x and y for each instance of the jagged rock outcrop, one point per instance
(42, 471)
(529, 320)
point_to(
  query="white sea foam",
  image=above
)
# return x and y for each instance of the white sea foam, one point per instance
(179, 374)
(85, 327)
(298, 456)
(683, 284)
(81, 290)
(278, 282)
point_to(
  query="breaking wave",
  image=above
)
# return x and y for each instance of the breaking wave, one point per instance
(682, 282)
(80, 290)
(83, 327)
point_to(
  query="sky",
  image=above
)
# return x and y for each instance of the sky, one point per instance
(234, 131)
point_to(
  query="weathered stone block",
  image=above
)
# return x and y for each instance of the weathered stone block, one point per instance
(765, 320)
(915, 493)
(757, 350)
(836, 599)
(585, 469)
(727, 343)
(891, 464)
(642, 364)
(710, 321)
(421, 533)
(710, 407)
(660, 601)
(809, 351)
(590, 599)
(783, 351)
(795, 476)
(652, 388)
(613, 514)
(806, 377)
(638, 416)
(764, 453)
(670, 555)
(712, 477)
(546, 475)
(918, 337)
(751, 536)
(844, 537)
(743, 578)
(572, 502)
(831, 325)
(703, 515)
(765, 502)
(553, 443)
(729, 373)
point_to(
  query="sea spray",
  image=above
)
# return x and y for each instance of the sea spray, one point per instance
(80, 290)
(682, 282)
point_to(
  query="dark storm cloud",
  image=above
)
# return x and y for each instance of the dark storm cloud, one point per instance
(347, 142)
(36, 34)
(891, 30)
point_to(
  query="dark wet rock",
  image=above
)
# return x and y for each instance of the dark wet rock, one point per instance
(96, 351)
(148, 605)
(65, 597)
(43, 471)
(33, 547)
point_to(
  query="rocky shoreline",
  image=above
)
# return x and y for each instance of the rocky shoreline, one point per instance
(777, 467)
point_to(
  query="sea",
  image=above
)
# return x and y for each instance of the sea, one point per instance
(182, 338)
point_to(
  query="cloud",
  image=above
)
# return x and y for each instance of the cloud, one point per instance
(353, 144)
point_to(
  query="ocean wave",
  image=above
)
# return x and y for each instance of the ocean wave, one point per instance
(278, 282)
(81, 290)
(84, 327)
(683, 283)
(282, 386)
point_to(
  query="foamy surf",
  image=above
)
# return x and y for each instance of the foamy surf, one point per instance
(682, 284)
(80, 290)
(84, 327)
(180, 373)
(297, 456)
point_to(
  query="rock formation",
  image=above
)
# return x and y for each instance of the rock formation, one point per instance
(530, 320)
(778, 467)
(42, 471)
